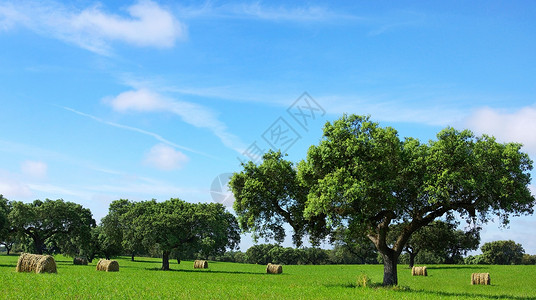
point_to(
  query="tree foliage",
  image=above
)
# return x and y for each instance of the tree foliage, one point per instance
(53, 224)
(269, 195)
(113, 231)
(502, 253)
(440, 240)
(176, 225)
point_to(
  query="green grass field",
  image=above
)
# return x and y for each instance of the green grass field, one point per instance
(142, 280)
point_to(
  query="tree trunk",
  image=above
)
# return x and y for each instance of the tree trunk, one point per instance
(165, 260)
(390, 276)
(411, 259)
(132, 256)
(39, 246)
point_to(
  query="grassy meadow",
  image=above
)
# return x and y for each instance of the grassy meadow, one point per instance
(141, 279)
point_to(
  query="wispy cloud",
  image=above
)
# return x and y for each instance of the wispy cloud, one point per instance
(507, 126)
(147, 24)
(394, 109)
(283, 13)
(10, 16)
(165, 158)
(35, 169)
(144, 100)
(395, 20)
(262, 11)
(152, 134)
(35, 151)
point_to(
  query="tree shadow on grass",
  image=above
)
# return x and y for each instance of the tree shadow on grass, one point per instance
(214, 272)
(466, 267)
(469, 295)
(351, 285)
(406, 289)
(147, 261)
(8, 265)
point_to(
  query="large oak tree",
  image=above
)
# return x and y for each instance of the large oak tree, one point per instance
(364, 180)
(365, 177)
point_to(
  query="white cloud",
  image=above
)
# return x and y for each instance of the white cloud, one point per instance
(36, 169)
(143, 100)
(165, 158)
(147, 24)
(11, 188)
(518, 126)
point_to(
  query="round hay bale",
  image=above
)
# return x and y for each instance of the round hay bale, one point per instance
(36, 263)
(480, 278)
(274, 269)
(108, 265)
(80, 261)
(419, 271)
(200, 264)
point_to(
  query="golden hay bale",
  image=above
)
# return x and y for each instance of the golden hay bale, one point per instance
(419, 271)
(80, 261)
(200, 264)
(274, 269)
(480, 278)
(108, 265)
(36, 263)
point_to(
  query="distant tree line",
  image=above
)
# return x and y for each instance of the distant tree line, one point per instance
(502, 253)
(175, 229)
(168, 229)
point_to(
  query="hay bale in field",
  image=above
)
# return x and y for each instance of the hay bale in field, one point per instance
(108, 265)
(200, 264)
(419, 271)
(480, 278)
(80, 261)
(36, 263)
(274, 269)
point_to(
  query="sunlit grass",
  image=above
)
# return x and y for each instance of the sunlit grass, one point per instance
(142, 279)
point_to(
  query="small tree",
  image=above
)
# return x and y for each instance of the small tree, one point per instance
(259, 254)
(528, 259)
(175, 225)
(502, 253)
(8, 235)
(440, 239)
(115, 234)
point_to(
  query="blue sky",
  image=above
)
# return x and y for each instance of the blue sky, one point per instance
(156, 99)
